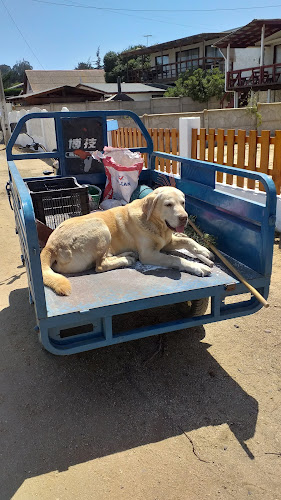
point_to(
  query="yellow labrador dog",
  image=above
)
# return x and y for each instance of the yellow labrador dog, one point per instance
(113, 238)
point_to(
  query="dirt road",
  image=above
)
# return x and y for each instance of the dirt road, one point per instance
(202, 421)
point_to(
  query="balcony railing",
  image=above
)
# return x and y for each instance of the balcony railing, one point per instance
(259, 77)
(171, 72)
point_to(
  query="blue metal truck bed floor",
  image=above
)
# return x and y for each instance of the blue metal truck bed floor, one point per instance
(93, 291)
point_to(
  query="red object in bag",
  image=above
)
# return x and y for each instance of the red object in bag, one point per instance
(122, 180)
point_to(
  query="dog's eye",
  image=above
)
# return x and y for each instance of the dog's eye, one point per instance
(169, 204)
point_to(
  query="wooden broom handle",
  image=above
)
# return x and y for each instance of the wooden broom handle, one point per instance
(230, 266)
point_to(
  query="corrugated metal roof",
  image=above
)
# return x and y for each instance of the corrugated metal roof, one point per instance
(44, 79)
(250, 34)
(127, 88)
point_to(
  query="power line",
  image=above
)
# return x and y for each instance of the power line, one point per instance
(21, 33)
(119, 9)
(115, 11)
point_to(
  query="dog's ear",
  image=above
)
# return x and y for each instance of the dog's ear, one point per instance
(149, 203)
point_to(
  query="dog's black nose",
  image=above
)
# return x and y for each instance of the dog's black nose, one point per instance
(183, 219)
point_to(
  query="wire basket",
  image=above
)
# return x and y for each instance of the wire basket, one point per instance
(57, 199)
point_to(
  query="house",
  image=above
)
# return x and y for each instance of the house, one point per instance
(40, 80)
(63, 94)
(253, 60)
(168, 60)
(135, 91)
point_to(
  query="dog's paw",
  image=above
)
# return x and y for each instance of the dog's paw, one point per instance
(202, 270)
(206, 260)
(205, 253)
(131, 259)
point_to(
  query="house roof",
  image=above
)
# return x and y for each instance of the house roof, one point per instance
(250, 34)
(180, 42)
(44, 79)
(57, 94)
(127, 88)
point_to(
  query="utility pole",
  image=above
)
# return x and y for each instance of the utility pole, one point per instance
(4, 114)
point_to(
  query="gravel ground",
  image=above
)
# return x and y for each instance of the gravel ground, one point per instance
(199, 421)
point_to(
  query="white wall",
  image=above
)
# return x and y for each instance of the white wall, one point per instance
(250, 57)
(246, 58)
(41, 130)
(151, 106)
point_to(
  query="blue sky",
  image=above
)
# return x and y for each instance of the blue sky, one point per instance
(53, 36)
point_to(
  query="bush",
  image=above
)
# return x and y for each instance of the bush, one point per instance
(200, 85)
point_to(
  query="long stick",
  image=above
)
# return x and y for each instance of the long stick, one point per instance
(230, 266)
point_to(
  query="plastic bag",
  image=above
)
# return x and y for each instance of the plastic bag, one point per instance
(122, 168)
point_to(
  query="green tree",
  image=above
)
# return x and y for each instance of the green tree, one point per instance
(13, 76)
(118, 64)
(18, 70)
(85, 65)
(111, 66)
(8, 76)
(200, 85)
(4, 68)
(98, 64)
(6, 73)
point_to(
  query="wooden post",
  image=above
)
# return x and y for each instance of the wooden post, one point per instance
(4, 114)
(220, 152)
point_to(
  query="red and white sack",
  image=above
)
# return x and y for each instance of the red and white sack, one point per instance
(122, 168)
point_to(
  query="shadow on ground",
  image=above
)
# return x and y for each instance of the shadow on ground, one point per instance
(60, 411)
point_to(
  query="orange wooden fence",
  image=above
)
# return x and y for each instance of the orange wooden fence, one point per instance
(164, 140)
(251, 152)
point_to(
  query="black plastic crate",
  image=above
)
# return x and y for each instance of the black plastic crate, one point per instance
(57, 199)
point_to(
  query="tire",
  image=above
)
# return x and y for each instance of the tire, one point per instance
(197, 307)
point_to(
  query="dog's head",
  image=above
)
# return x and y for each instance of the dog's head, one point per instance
(167, 205)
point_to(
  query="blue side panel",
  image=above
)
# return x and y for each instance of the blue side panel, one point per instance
(244, 229)
(26, 227)
(234, 236)
(202, 175)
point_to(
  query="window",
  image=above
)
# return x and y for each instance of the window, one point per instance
(212, 51)
(159, 60)
(163, 67)
(277, 54)
(187, 59)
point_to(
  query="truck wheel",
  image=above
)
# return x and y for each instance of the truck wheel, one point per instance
(196, 307)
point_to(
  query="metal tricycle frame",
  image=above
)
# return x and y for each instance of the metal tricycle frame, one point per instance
(244, 230)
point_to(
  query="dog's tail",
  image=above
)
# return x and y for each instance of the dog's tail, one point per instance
(60, 284)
